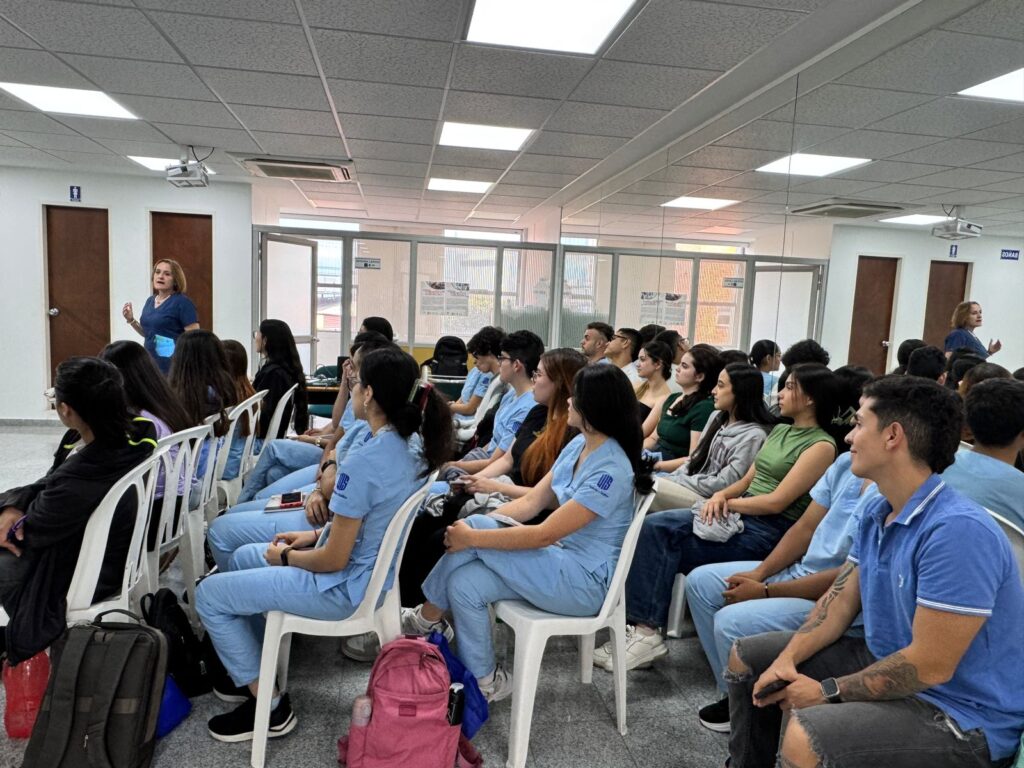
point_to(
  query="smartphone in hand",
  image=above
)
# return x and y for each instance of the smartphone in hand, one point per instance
(771, 688)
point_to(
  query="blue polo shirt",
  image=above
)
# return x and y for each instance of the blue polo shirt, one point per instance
(996, 485)
(509, 418)
(945, 552)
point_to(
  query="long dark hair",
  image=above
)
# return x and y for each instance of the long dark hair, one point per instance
(763, 348)
(821, 385)
(199, 375)
(94, 389)
(279, 348)
(604, 398)
(409, 407)
(748, 395)
(708, 362)
(238, 367)
(144, 386)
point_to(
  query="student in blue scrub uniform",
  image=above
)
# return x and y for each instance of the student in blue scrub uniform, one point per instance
(324, 574)
(485, 346)
(563, 564)
(167, 314)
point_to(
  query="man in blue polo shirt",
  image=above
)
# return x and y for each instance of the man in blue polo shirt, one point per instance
(938, 679)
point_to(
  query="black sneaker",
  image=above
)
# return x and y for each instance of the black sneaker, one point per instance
(225, 690)
(716, 716)
(237, 725)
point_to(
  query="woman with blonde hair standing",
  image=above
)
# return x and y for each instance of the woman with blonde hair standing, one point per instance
(966, 319)
(167, 314)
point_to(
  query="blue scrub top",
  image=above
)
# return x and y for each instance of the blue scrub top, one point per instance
(604, 485)
(996, 485)
(374, 479)
(348, 416)
(355, 436)
(961, 337)
(162, 326)
(509, 418)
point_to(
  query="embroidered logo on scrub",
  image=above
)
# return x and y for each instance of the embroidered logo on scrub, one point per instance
(604, 482)
(514, 426)
(342, 482)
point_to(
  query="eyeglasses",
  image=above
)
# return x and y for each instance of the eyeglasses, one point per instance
(505, 359)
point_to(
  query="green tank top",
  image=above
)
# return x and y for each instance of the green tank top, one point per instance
(674, 430)
(778, 455)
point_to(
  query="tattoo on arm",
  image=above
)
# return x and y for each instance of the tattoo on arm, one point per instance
(893, 677)
(820, 613)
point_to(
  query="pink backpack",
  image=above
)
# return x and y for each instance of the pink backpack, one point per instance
(409, 721)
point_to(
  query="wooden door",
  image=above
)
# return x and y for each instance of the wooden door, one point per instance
(872, 313)
(947, 287)
(188, 239)
(78, 282)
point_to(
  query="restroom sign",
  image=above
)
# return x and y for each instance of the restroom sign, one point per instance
(75, 194)
(953, 248)
(1009, 255)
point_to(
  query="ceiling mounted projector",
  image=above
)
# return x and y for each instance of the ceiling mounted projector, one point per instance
(188, 174)
(957, 227)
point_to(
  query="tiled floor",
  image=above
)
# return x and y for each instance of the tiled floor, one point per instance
(573, 724)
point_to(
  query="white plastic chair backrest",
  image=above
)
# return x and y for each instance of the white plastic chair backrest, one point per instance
(251, 407)
(494, 390)
(141, 479)
(180, 462)
(1016, 537)
(424, 374)
(275, 419)
(392, 549)
(618, 582)
(206, 484)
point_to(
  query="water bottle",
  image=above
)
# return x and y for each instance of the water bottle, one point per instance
(25, 686)
(361, 709)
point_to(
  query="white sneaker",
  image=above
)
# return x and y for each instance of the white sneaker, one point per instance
(500, 686)
(413, 623)
(641, 650)
(364, 647)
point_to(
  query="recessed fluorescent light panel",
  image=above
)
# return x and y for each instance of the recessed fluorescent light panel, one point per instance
(483, 136)
(575, 26)
(162, 163)
(918, 219)
(722, 231)
(68, 101)
(459, 185)
(702, 203)
(813, 165)
(1008, 87)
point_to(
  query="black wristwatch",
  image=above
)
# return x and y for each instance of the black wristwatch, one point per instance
(326, 464)
(284, 555)
(830, 690)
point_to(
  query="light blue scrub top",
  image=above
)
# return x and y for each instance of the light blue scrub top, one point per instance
(348, 418)
(355, 436)
(994, 484)
(373, 481)
(509, 419)
(604, 485)
(476, 385)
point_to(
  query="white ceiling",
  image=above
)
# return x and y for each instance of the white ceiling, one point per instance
(372, 82)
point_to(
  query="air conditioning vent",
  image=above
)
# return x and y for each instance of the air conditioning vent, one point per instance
(846, 209)
(299, 170)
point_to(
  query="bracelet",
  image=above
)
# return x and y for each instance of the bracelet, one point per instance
(284, 555)
(766, 590)
(328, 463)
(319, 442)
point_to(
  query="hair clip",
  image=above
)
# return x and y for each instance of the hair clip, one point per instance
(845, 419)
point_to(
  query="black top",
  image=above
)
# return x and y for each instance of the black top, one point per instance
(276, 380)
(643, 411)
(532, 426)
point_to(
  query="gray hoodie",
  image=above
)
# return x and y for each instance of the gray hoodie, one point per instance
(732, 452)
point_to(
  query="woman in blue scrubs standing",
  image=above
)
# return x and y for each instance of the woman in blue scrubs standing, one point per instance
(167, 314)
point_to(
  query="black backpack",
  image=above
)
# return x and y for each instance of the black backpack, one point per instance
(449, 358)
(192, 663)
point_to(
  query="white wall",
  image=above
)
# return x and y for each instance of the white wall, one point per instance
(998, 285)
(129, 200)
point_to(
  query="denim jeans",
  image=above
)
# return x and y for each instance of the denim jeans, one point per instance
(229, 533)
(279, 458)
(667, 546)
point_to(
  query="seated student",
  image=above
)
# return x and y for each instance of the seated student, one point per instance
(903, 353)
(679, 345)
(1019, 374)
(649, 331)
(324, 574)
(238, 367)
(654, 367)
(379, 325)
(673, 432)
(928, 362)
(623, 350)
(806, 351)
(994, 412)
(485, 346)
(979, 373)
(938, 678)
(565, 563)
(595, 341)
(727, 447)
(770, 497)
(766, 356)
(42, 524)
(729, 601)
(958, 364)
(730, 356)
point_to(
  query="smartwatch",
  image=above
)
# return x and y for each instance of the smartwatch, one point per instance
(830, 690)
(284, 555)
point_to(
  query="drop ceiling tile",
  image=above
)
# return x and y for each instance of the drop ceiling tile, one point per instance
(250, 45)
(778, 136)
(31, 157)
(375, 58)
(835, 187)
(388, 150)
(522, 190)
(959, 151)
(211, 114)
(665, 190)
(203, 137)
(876, 145)
(903, 193)
(101, 30)
(493, 109)
(99, 128)
(1014, 163)
(56, 141)
(1009, 204)
(575, 145)
(498, 198)
(294, 144)
(141, 148)
(394, 182)
(965, 197)
(995, 18)
(280, 120)
(727, 192)
(676, 33)
(105, 162)
(1015, 187)
(432, 19)
(966, 178)
(489, 69)
(728, 158)
(790, 198)
(939, 62)
(20, 65)
(849, 106)
(953, 116)
(766, 182)
(148, 78)
(890, 171)
(549, 164)
(402, 129)
(7, 141)
(248, 10)
(461, 172)
(789, 5)
(698, 176)
(477, 158)
(391, 168)
(355, 97)
(330, 187)
(630, 84)
(10, 36)
(266, 89)
(603, 120)
(24, 120)
(1011, 132)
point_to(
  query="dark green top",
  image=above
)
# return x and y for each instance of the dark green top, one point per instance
(777, 456)
(674, 429)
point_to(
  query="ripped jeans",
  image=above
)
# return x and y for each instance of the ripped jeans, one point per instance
(902, 733)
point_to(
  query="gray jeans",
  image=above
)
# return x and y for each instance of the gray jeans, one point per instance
(906, 733)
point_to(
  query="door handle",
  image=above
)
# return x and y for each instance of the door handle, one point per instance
(53, 312)
(885, 344)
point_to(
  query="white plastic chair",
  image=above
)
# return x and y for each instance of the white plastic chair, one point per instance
(1016, 537)
(274, 426)
(386, 620)
(141, 479)
(232, 488)
(533, 627)
(677, 608)
(494, 391)
(179, 467)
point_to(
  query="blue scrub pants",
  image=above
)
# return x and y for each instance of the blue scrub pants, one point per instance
(467, 582)
(234, 462)
(231, 605)
(719, 625)
(229, 533)
(279, 459)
